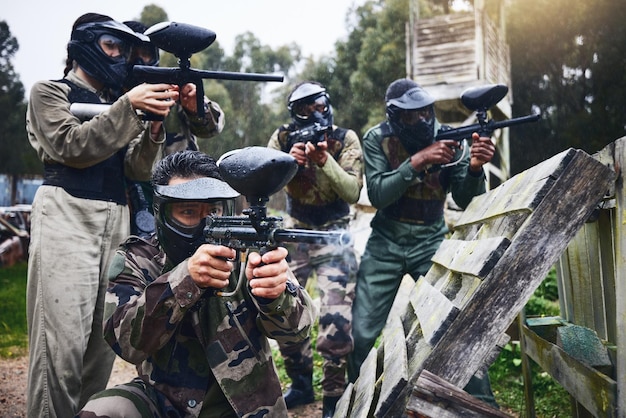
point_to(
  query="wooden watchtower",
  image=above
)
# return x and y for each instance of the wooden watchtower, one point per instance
(448, 53)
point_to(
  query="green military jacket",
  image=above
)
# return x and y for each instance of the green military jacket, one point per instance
(403, 195)
(205, 353)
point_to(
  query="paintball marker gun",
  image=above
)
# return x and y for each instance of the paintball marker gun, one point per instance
(480, 99)
(182, 40)
(313, 133)
(257, 173)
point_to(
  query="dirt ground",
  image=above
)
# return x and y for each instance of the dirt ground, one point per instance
(13, 375)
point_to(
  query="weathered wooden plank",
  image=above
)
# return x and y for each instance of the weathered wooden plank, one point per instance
(606, 228)
(556, 218)
(520, 193)
(497, 349)
(565, 289)
(614, 155)
(396, 375)
(451, 77)
(585, 272)
(475, 257)
(345, 402)
(364, 391)
(435, 397)
(579, 269)
(442, 52)
(434, 311)
(442, 22)
(592, 389)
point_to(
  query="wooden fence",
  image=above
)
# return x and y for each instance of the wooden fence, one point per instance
(455, 318)
(584, 348)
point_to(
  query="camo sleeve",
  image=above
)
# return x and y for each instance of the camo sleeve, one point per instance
(346, 172)
(288, 318)
(143, 307)
(211, 124)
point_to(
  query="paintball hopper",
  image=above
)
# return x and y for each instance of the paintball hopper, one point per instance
(180, 39)
(257, 172)
(484, 97)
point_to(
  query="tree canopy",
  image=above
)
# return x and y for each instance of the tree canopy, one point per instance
(567, 60)
(17, 155)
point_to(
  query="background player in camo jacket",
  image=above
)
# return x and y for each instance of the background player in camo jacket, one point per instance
(319, 197)
(197, 353)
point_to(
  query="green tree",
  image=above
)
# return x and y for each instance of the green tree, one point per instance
(254, 117)
(567, 60)
(17, 155)
(152, 14)
(364, 64)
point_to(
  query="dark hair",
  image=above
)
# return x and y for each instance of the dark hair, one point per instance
(184, 164)
(86, 18)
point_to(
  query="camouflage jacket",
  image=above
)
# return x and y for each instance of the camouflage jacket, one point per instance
(183, 129)
(320, 195)
(188, 343)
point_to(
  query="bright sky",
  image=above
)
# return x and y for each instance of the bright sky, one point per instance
(42, 27)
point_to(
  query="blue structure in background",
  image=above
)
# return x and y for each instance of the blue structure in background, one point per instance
(25, 190)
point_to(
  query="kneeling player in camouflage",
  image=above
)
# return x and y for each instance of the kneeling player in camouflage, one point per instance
(197, 353)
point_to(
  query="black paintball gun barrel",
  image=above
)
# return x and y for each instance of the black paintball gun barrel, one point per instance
(313, 133)
(242, 234)
(481, 99)
(257, 173)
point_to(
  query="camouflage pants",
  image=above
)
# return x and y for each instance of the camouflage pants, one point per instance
(133, 399)
(336, 269)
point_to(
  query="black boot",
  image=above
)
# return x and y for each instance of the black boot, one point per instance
(328, 406)
(301, 390)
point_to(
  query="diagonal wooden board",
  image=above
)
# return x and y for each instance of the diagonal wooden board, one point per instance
(502, 248)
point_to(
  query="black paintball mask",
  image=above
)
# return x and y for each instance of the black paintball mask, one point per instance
(309, 103)
(180, 213)
(411, 114)
(88, 45)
